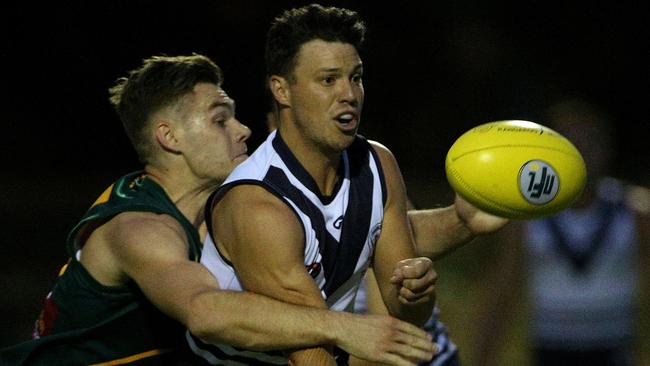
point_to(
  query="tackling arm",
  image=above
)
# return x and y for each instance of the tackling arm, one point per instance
(152, 250)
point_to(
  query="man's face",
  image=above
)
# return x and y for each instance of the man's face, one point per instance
(326, 94)
(213, 140)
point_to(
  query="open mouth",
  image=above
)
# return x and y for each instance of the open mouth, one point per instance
(347, 121)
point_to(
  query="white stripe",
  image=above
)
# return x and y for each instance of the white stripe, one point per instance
(209, 357)
(230, 351)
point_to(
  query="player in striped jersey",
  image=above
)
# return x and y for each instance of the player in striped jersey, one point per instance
(315, 205)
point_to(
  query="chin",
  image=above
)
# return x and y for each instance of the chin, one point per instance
(340, 145)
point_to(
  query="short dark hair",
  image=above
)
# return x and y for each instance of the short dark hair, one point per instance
(297, 26)
(159, 82)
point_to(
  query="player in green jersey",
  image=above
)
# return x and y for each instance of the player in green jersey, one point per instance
(133, 282)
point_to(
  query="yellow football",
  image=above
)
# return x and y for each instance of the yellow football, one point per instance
(516, 169)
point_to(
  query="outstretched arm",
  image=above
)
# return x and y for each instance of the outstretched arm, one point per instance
(440, 231)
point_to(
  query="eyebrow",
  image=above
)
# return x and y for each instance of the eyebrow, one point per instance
(358, 67)
(227, 102)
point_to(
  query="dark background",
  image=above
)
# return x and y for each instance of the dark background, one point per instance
(432, 70)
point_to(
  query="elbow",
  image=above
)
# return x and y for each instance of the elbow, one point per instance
(199, 321)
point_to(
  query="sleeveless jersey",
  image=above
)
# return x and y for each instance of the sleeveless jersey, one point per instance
(583, 266)
(84, 322)
(339, 230)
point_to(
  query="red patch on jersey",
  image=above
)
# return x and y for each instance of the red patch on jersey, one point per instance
(314, 269)
(45, 322)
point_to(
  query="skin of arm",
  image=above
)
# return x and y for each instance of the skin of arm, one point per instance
(152, 249)
(405, 283)
(375, 305)
(438, 232)
(267, 251)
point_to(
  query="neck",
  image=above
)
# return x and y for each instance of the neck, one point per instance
(188, 193)
(321, 165)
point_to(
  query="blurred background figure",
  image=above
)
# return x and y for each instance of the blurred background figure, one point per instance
(585, 270)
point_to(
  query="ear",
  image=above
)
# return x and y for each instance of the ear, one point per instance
(165, 136)
(279, 87)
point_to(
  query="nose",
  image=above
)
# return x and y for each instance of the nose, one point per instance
(242, 132)
(350, 92)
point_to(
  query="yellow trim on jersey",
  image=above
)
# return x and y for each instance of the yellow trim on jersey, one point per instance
(133, 358)
(104, 196)
(62, 270)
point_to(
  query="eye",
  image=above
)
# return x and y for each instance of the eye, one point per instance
(329, 80)
(357, 78)
(220, 120)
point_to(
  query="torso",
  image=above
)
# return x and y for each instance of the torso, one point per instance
(339, 230)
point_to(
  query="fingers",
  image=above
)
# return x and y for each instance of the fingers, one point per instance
(406, 296)
(416, 280)
(412, 354)
(384, 339)
(420, 341)
(427, 279)
(410, 349)
(412, 268)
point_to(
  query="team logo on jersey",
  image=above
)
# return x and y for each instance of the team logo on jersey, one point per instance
(338, 223)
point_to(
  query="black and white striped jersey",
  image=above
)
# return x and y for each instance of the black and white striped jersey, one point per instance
(340, 230)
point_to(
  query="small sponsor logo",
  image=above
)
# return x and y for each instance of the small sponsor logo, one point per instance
(338, 222)
(538, 182)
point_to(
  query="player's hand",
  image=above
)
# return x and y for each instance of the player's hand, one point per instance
(384, 339)
(416, 279)
(478, 222)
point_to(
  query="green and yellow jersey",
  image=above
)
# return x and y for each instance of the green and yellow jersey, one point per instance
(86, 323)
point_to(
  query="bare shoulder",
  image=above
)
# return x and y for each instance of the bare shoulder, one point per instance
(392, 172)
(129, 227)
(248, 215)
(116, 247)
(136, 236)
(380, 149)
(386, 157)
(254, 203)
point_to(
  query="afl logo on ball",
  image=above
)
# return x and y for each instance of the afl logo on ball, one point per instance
(538, 182)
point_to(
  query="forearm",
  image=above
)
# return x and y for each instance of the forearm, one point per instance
(414, 313)
(438, 232)
(259, 323)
